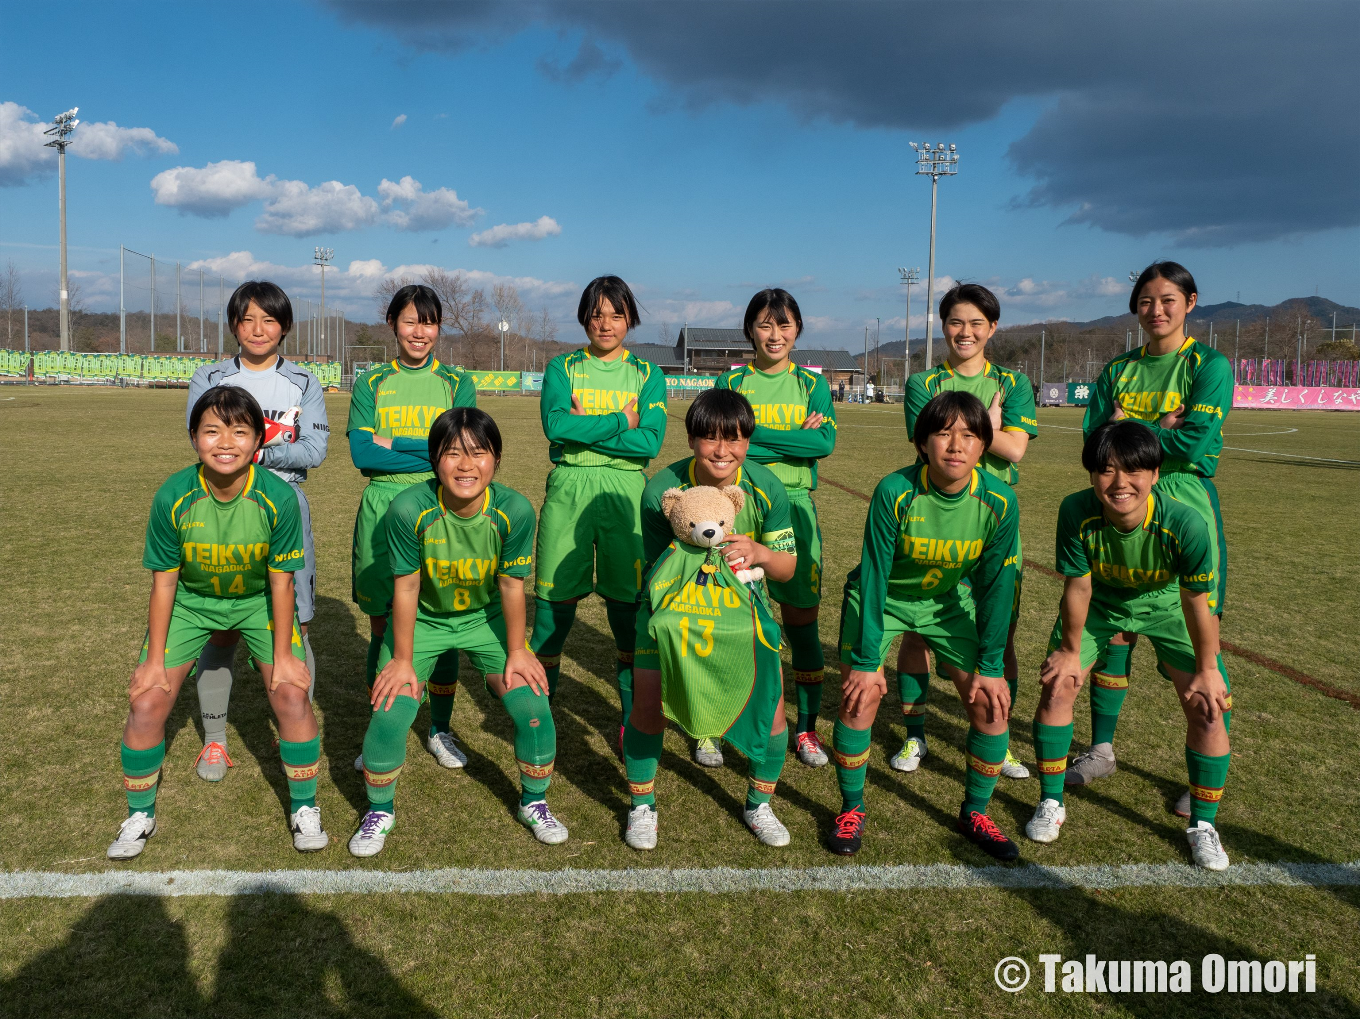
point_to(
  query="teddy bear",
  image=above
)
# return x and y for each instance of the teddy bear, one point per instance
(705, 516)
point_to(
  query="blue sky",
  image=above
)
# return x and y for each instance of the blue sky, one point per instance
(701, 151)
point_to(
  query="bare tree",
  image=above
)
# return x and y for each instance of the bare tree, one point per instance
(509, 307)
(386, 290)
(664, 335)
(11, 295)
(547, 328)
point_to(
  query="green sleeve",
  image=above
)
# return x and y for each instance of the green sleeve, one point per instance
(914, 401)
(993, 581)
(404, 549)
(1100, 408)
(724, 381)
(286, 553)
(162, 549)
(1190, 534)
(1209, 400)
(801, 443)
(645, 440)
(465, 392)
(517, 543)
(881, 530)
(362, 404)
(656, 526)
(560, 425)
(1017, 407)
(776, 526)
(1072, 560)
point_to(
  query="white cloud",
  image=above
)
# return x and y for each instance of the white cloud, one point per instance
(23, 146)
(418, 209)
(213, 190)
(1032, 293)
(297, 210)
(398, 120)
(109, 141)
(500, 236)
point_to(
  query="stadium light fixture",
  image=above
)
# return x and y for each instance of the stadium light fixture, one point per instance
(934, 163)
(323, 257)
(62, 126)
(1133, 281)
(910, 278)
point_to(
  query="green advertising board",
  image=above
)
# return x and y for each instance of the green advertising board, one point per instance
(503, 381)
(695, 382)
(1079, 393)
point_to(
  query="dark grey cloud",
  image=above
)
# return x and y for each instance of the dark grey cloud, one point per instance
(1216, 122)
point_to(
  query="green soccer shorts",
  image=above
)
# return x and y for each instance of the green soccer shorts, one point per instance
(479, 634)
(945, 624)
(371, 571)
(590, 535)
(1159, 619)
(804, 590)
(195, 618)
(1201, 495)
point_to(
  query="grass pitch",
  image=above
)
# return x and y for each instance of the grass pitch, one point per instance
(79, 469)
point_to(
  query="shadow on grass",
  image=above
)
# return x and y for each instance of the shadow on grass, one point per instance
(342, 695)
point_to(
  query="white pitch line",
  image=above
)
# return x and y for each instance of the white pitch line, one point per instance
(1239, 449)
(714, 881)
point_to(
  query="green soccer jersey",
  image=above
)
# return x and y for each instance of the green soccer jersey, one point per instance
(919, 543)
(1017, 404)
(1148, 387)
(1170, 548)
(782, 401)
(401, 403)
(224, 549)
(600, 437)
(459, 558)
(765, 517)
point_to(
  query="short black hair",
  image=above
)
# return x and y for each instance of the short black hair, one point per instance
(233, 406)
(1173, 272)
(271, 299)
(941, 413)
(478, 426)
(721, 414)
(1127, 444)
(615, 291)
(779, 303)
(971, 293)
(428, 308)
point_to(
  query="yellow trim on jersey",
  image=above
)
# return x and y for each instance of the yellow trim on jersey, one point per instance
(1147, 517)
(736, 481)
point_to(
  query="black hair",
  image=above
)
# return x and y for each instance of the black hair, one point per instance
(233, 406)
(271, 299)
(971, 293)
(615, 291)
(428, 308)
(781, 306)
(942, 411)
(720, 413)
(1126, 444)
(1173, 272)
(469, 424)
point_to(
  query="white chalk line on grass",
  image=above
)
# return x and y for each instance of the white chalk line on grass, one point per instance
(713, 881)
(1239, 449)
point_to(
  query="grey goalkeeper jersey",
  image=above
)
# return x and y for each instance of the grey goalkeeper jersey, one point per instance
(276, 389)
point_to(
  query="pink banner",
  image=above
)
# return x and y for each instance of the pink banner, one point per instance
(1296, 398)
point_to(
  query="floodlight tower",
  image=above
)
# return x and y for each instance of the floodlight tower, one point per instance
(933, 163)
(1133, 280)
(504, 327)
(910, 278)
(323, 258)
(62, 126)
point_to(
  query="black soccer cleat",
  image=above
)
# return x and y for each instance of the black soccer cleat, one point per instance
(846, 832)
(982, 831)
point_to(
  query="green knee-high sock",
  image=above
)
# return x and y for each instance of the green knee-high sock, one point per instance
(371, 664)
(1207, 778)
(809, 666)
(985, 755)
(552, 623)
(301, 763)
(1109, 687)
(763, 775)
(914, 688)
(141, 774)
(1051, 746)
(535, 741)
(623, 624)
(385, 751)
(442, 687)
(850, 747)
(641, 755)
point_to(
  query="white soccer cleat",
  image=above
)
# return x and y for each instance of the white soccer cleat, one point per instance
(810, 750)
(445, 750)
(642, 826)
(1206, 848)
(1048, 818)
(708, 753)
(910, 756)
(1097, 762)
(372, 834)
(1011, 768)
(213, 762)
(539, 819)
(359, 763)
(1182, 807)
(308, 835)
(765, 826)
(132, 836)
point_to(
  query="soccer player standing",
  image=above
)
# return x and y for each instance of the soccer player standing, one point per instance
(390, 413)
(1182, 390)
(223, 541)
(260, 316)
(795, 427)
(969, 314)
(1136, 561)
(931, 525)
(604, 415)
